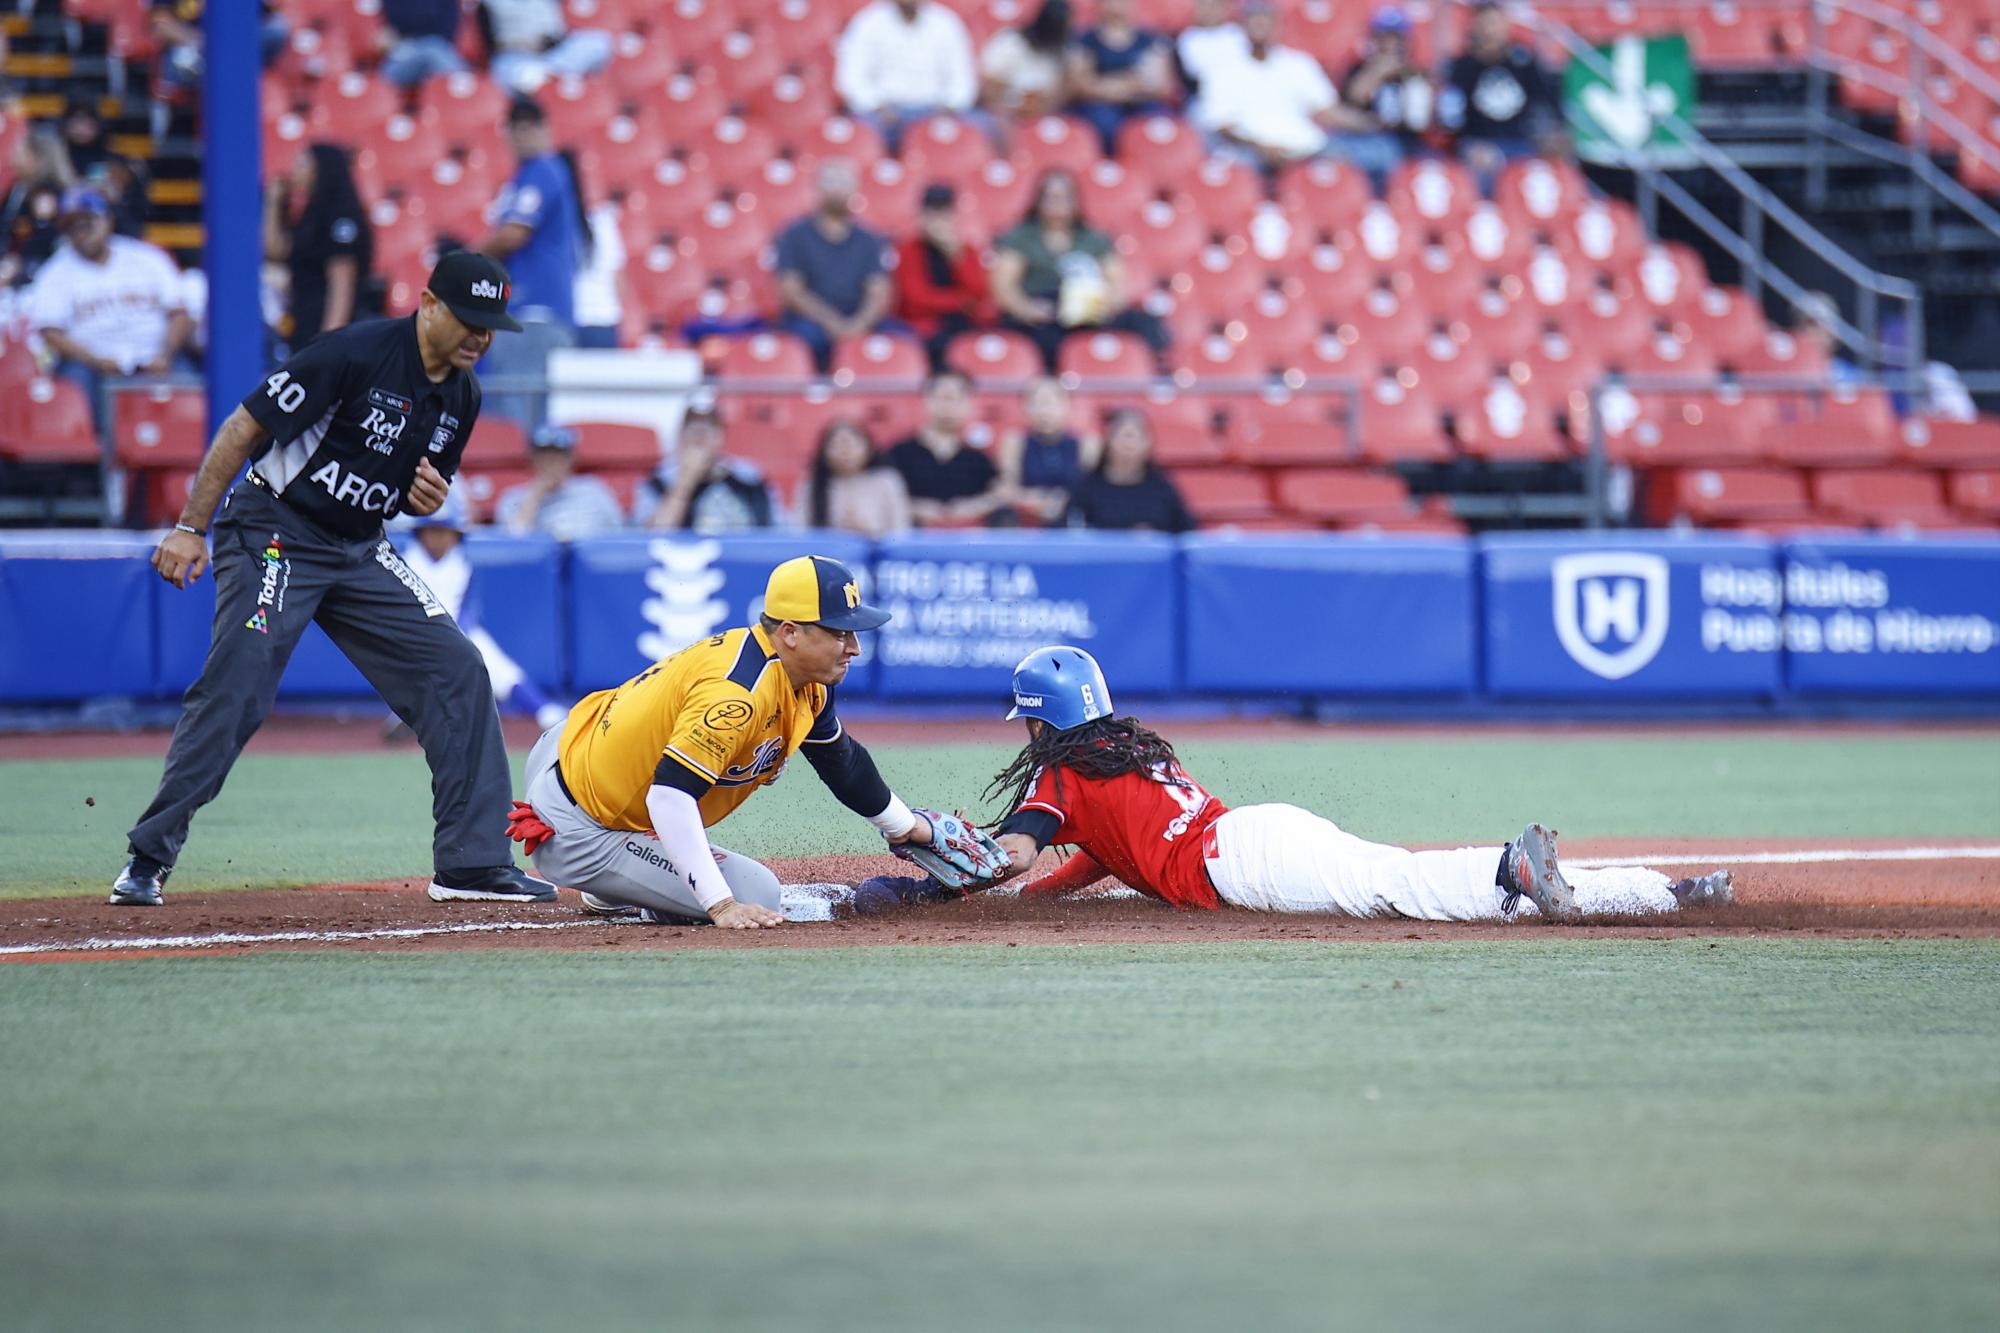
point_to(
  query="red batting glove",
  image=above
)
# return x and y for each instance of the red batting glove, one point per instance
(527, 828)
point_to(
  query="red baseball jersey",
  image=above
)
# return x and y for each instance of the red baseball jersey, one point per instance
(1148, 833)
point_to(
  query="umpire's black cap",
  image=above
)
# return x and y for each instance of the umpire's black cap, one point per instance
(475, 288)
(814, 590)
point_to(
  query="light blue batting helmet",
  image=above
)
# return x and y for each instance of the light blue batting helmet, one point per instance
(1063, 686)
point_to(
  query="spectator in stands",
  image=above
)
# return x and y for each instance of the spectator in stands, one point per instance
(1118, 70)
(1497, 97)
(1023, 71)
(600, 283)
(542, 236)
(951, 484)
(176, 28)
(1211, 40)
(557, 501)
(900, 61)
(941, 286)
(1390, 98)
(1814, 320)
(29, 219)
(108, 306)
(701, 488)
(1041, 465)
(1128, 490)
(101, 167)
(1275, 105)
(419, 40)
(849, 489)
(532, 44)
(833, 273)
(1053, 275)
(316, 226)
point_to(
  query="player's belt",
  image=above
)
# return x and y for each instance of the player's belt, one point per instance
(563, 786)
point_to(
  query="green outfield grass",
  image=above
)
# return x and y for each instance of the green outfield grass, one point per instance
(304, 819)
(1531, 1135)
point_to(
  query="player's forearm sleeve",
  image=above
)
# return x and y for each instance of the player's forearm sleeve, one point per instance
(1078, 872)
(1037, 824)
(849, 772)
(684, 842)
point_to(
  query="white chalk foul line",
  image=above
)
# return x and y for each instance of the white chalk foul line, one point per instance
(1813, 856)
(225, 938)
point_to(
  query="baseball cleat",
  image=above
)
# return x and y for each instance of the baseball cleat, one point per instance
(1528, 869)
(609, 910)
(139, 884)
(1710, 890)
(495, 884)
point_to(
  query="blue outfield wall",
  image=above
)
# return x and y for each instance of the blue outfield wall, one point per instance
(1654, 619)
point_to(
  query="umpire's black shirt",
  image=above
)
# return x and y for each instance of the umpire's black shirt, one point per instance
(350, 417)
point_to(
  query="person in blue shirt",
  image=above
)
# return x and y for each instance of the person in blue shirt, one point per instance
(1118, 70)
(541, 234)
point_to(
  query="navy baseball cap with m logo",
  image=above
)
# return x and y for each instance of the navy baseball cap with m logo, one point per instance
(814, 590)
(475, 288)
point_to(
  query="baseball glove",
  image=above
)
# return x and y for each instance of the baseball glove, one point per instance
(960, 855)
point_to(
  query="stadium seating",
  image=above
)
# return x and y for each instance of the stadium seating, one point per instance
(1882, 497)
(48, 421)
(159, 428)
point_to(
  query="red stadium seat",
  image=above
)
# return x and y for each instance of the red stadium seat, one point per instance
(484, 487)
(945, 148)
(159, 427)
(1109, 191)
(774, 194)
(998, 196)
(664, 285)
(1728, 34)
(1728, 321)
(1222, 193)
(1328, 278)
(1729, 495)
(698, 27)
(162, 495)
(766, 356)
(839, 136)
(1105, 355)
(1221, 284)
(1617, 331)
(803, 31)
(496, 442)
(1384, 238)
(1184, 433)
(353, 99)
(577, 107)
(1882, 497)
(1670, 274)
(1171, 238)
(1055, 142)
(449, 201)
(1277, 331)
(1540, 193)
(1954, 443)
(1344, 495)
(792, 107)
(644, 65)
(48, 421)
(745, 65)
(1563, 371)
(1221, 495)
(1664, 354)
(1510, 422)
(1783, 353)
(1400, 424)
(1847, 427)
(1609, 234)
(1443, 281)
(1281, 428)
(1325, 196)
(1454, 371)
(724, 240)
(1328, 355)
(1329, 32)
(994, 356)
(615, 445)
(1385, 327)
(1501, 246)
(888, 199)
(17, 366)
(878, 357)
(1661, 430)
(1432, 518)
(1211, 355)
(1164, 149)
(720, 145)
(1432, 192)
(1553, 278)
(685, 103)
(1976, 492)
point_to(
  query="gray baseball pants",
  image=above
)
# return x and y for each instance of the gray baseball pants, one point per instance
(619, 866)
(275, 573)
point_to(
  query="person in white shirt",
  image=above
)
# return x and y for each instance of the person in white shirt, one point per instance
(556, 500)
(600, 283)
(532, 44)
(1275, 105)
(900, 61)
(1210, 41)
(436, 554)
(108, 306)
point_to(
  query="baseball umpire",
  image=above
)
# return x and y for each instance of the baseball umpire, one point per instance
(620, 796)
(365, 423)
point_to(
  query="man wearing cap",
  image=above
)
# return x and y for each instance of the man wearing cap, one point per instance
(555, 500)
(365, 423)
(107, 305)
(620, 796)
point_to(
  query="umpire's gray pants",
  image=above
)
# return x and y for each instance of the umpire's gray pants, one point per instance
(620, 866)
(377, 612)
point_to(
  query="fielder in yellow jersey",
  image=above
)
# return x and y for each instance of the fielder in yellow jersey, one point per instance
(631, 781)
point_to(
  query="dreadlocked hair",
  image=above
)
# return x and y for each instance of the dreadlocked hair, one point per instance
(1108, 747)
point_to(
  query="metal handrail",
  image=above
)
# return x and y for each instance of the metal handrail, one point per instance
(1761, 204)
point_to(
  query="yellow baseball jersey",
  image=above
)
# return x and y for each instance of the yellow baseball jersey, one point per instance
(722, 708)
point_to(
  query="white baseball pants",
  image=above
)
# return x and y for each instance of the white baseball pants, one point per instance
(1279, 858)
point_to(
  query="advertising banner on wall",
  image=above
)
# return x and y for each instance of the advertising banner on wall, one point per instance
(1892, 616)
(1639, 616)
(967, 607)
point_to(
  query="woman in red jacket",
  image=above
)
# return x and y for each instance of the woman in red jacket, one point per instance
(941, 286)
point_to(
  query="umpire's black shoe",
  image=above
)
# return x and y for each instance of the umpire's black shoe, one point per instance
(139, 883)
(495, 884)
